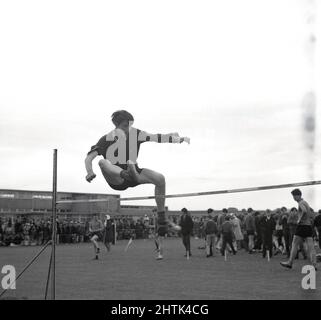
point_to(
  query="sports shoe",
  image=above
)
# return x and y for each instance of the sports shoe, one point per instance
(174, 226)
(286, 265)
(159, 257)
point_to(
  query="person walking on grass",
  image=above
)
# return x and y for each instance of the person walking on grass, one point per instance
(304, 231)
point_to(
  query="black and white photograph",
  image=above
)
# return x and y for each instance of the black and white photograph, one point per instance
(164, 151)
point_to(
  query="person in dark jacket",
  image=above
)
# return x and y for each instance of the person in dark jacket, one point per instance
(210, 233)
(108, 237)
(317, 225)
(267, 226)
(258, 239)
(286, 230)
(228, 235)
(186, 223)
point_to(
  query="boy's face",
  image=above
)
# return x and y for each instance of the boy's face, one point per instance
(125, 126)
(297, 198)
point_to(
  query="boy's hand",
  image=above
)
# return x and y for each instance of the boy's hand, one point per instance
(90, 177)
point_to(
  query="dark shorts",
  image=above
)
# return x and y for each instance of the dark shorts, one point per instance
(126, 184)
(304, 231)
(162, 230)
(250, 233)
(99, 234)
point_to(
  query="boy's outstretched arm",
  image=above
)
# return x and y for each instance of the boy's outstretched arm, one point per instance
(163, 138)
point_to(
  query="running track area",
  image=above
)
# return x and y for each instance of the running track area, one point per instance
(136, 275)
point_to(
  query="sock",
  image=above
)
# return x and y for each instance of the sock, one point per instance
(161, 218)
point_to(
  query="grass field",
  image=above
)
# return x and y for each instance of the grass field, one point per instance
(136, 275)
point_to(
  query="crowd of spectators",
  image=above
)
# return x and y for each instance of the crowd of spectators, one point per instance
(32, 231)
(248, 228)
(24, 231)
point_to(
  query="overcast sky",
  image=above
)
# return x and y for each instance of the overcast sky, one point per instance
(231, 75)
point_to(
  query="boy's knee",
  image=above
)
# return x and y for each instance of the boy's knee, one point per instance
(161, 180)
(101, 163)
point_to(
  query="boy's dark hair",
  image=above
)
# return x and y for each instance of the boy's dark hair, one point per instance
(119, 116)
(224, 210)
(210, 210)
(296, 192)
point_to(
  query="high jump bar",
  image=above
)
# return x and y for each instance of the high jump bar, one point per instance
(206, 193)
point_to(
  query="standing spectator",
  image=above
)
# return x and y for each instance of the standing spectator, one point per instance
(9, 233)
(220, 221)
(82, 232)
(317, 225)
(196, 227)
(68, 236)
(38, 233)
(245, 242)
(58, 231)
(86, 230)
(32, 232)
(201, 228)
(210, 232)
(278, 234)
(146, 222)
(1, 233)
(250, 230)
(41, 233)
(227, 235)
(186, 224)
(267, 226)
(46, 231)
(238, 236)
(258, 238)
(108, 238)
(26, 233)
(18, 228)
(286, 230)
(73, 232)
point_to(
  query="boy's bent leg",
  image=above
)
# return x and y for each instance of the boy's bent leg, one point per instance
(111, 173)
(295, 244)
(157, 179)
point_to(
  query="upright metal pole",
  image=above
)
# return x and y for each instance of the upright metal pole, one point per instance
(54, 225)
